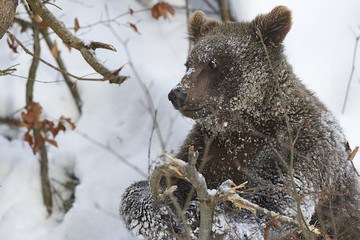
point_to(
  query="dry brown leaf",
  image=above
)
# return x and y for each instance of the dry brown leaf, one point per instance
(134, 28)
(12, 44)
(28, 138)
(52, 142)
(68, 120)
(161, 9)
(40, 128)
(40, 22)
(76, 24)
(43, 25)
(54, 50)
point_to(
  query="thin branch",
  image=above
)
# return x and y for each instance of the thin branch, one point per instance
(72, 87)
(351, 157)
(225, 10)
(34, 64)
(44, 173)
(113, 152)
(45, 182)
(38, 81)
(49, 64)
(60, 29)
(95, 45)
(301, 220)
(351, 74)
(8, 71)
(8, 120)
(226, 192)
(150, 141)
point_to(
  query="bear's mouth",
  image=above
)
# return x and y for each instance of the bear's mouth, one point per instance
(191, 108)
(193, 112)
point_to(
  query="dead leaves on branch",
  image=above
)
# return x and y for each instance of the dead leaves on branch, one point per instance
(38, 130)
(55, 50)
(40, 22)
(12, 44)
(76, 24)
(161, 9)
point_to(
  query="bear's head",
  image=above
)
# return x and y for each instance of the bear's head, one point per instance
(227, 67)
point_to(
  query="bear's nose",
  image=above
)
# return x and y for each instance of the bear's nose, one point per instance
(177, 98)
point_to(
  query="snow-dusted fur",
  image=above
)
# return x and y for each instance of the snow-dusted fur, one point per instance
(231, 91)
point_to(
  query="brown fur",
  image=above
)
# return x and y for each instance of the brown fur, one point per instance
(231, 92)
(241, 134)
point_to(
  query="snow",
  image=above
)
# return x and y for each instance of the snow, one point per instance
(319, 46)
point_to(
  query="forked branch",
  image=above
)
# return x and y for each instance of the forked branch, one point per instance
(86, 50)
(228, 191)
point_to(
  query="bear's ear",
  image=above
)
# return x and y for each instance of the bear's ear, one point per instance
(273, 26)
(199, 25)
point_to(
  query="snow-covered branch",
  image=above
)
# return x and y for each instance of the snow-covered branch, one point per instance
(227, 191)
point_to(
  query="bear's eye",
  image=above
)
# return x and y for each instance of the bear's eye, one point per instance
(213, 64)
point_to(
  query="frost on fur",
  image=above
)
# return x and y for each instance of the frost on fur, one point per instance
(256, 123)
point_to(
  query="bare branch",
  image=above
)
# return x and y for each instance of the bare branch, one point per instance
(95, 45)
(50, 65)
(226, 192)
(34, 64)
(72, 87)
(351, 157)
(351, 74)
(113, 152)
(8, 71)
(225, 10)
(300, 217)
(9, 120)
(7, 13)
(60, 29)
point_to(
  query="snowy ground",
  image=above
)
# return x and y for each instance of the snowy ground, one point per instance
(320, 47)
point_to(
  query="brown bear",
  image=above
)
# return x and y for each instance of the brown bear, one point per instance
(255, 123)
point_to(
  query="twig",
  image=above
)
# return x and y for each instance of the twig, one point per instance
(351, 74)
(45, 182)
(72, 41)
(351, 157)
(49, 64)
(150, 141)
(8, 71)
(34, 63)
(44, 173)
(95, 45)
(206, 207)
(113, 152)
(160, 196)
(226, 192)
(225, 10)
(8, 120)
(301, 220)
(72, 87)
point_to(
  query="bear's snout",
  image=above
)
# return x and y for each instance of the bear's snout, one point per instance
(177, 98)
